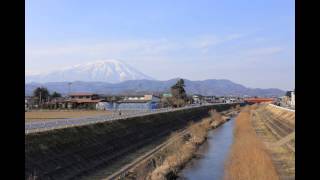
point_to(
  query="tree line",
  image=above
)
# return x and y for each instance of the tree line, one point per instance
(178, 99)
(42, 94)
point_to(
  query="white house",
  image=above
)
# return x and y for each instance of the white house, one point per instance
(102, 105)
(138, 102)
(292, 102)
(196, 99)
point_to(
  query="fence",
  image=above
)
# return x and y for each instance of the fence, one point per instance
(282, 108)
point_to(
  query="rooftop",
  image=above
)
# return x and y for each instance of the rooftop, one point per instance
(81, 94)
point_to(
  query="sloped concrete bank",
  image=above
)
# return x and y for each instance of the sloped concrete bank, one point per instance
(276, 128)
(71, 152)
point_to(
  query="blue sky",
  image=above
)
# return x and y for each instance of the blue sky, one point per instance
(248, 42)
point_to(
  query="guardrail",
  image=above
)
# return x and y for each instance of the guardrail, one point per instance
(282, 108)
(33, 127)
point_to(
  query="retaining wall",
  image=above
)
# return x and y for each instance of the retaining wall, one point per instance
(71, 152)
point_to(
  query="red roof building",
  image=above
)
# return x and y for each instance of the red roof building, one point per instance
(258, 100)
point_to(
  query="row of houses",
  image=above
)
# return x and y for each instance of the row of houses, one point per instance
(95, 101)
(101, 102)
(199, 99)
(288, 100)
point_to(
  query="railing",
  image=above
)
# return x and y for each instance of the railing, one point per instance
(292, 110)
(65, 123)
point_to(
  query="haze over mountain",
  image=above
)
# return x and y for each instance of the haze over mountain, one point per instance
(216, 87)
(111, 71)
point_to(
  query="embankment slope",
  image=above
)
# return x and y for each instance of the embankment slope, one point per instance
(276, 128)
(71, 152)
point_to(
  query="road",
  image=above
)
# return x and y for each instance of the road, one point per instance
(32, 127)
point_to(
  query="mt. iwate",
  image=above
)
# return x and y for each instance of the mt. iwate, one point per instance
(111, 71)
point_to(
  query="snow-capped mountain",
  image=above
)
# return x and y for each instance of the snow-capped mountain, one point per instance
(112, 71)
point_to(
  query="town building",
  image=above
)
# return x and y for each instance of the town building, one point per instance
(104, 105)
(145, 102)
(259, 100)
(30, 102)
(166, 95)
(209, 99)
(56, 103)
(99, 102)
(292, 101)
(83, 100)
(288, 100)
(197, 99)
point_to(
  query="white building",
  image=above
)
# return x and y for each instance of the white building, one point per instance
(196, 99)
(138, 102)
(292, 101)
(143, 98)
(102, 105)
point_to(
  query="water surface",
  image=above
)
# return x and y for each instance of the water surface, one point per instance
(212, 155)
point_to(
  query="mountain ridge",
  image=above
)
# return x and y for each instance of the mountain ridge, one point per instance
(214, 87)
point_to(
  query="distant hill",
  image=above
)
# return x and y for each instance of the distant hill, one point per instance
(214, 87)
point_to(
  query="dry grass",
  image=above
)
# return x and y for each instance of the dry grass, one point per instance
(216, 118)
(248, 159)
(181, 151)
(199, 131)
(282, 114)
(47, 115)
(237, 108)
(282, 157)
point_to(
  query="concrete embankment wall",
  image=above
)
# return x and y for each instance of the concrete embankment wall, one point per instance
(67, 153)
(282, 114)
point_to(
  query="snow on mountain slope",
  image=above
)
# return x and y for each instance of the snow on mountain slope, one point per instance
(112, 71)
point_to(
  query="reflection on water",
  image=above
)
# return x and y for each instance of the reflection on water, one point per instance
(211, 156)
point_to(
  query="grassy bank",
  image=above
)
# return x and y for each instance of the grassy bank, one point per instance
(175, 156)
(273, 126)
(282, 115)
(248, 158)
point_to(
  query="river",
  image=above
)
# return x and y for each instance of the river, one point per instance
(211, 155)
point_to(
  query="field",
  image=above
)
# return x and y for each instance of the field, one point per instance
(53, 114)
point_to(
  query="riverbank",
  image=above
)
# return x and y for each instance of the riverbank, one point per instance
(172, 159)
(210, 157)
(81, 150)
(275, 127)
(248, 158)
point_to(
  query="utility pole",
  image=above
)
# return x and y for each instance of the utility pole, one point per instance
(69, 85)
(40, 99)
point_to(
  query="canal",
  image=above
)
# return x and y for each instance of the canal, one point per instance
(211, 156)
